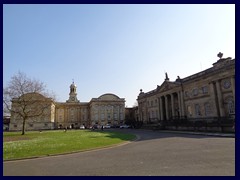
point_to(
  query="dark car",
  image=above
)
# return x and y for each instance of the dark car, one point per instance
(115, 126)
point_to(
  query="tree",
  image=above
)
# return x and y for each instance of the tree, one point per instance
(26, 98)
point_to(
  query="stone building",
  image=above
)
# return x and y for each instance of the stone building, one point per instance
(206, 94)
(39, 111)
(6, 122)
(106, 109)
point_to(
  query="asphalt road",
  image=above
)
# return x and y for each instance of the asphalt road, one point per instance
(153, 154)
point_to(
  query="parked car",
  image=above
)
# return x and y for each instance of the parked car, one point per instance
(106, 126)
(96, 126)
(82, 127)
(115, 126)
(124, 126)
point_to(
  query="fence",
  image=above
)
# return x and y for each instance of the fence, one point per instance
(223, 124)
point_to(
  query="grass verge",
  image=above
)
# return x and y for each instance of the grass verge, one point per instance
(45, 143)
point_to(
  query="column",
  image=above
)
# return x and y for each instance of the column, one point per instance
(166, 106)
(77, 114)
(179, 104)
(182, 104)
(213, 94)
(220, 99)
(161, 108)
(118, 112)
(233, 86)
(172, 103)
(65, 117)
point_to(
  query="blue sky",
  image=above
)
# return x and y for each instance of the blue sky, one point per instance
(116, 49)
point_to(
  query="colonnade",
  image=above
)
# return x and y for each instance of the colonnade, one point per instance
(168, 107)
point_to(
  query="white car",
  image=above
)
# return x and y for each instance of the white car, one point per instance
(124, 126)
(106, 126)
(82, 127)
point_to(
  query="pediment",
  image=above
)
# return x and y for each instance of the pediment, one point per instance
(167, 85)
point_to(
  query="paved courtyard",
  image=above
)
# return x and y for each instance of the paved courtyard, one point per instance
(155, 153)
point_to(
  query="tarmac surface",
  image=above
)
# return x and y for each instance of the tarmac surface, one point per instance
(153, 153)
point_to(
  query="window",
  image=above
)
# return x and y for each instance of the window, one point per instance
(121, 116)
(189, 109)
(151, 103)
(195, 92)
(102, 116)
(205, 89)
(153, 114)
(207, 109)
(72, 111)
(46, 125)
(186, 94)
(197, 110)
(83, 117)
(15, 125)
(230, 106)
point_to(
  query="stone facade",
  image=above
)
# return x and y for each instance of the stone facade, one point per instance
(207, 94)
(106, 109)
(39, 109)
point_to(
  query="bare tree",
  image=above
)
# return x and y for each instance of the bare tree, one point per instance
(25, 98)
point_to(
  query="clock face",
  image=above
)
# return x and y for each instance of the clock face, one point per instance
(226, 84)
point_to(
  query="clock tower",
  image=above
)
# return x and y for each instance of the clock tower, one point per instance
(73, 94)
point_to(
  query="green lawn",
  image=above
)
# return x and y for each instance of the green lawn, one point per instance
(36, 144)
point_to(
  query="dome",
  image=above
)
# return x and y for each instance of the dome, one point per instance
(73, 85)
(109, 96)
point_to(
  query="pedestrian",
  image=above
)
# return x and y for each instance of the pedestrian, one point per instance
(102, 128)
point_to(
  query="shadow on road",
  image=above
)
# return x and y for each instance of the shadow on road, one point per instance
(150, 135)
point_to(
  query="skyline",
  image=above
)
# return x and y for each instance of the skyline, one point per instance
(117, 49)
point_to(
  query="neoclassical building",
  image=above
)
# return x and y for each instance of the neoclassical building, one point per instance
(206, 94)
(106, 109)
